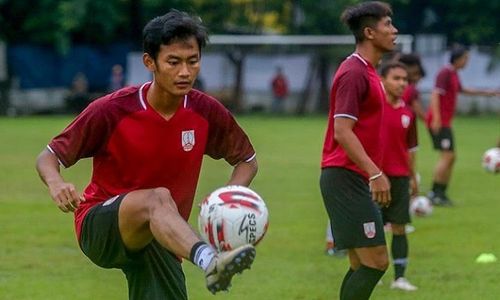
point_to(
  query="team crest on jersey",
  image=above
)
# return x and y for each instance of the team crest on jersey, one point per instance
(187, 140)
(405, 121)
(369, 229)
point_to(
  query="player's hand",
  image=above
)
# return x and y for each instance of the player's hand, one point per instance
(435, 125)
(65, 196)
(381, 190)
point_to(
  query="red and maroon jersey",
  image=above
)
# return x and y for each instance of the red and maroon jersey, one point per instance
(133, 147)
(410, 95)
(448, 86)
(357, 93)
(399, 137)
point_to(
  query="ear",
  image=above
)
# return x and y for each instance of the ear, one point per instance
(368, 33)
(149, 62)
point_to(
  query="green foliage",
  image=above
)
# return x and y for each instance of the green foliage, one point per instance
(61, 22)
(40, 258)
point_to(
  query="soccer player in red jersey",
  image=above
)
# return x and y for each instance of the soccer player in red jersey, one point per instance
(411, 95)
(351, 176)
(399, 138)
(440, 117)
(147, 144)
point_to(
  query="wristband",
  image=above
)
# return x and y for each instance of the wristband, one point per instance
(375, 176)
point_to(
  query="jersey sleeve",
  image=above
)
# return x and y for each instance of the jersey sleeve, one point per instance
(226, 139)
(443, 81)
(351, 90)
(82, 138)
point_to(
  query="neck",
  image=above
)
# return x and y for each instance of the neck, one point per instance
(369, 53)
(164, 103)
(392, 100)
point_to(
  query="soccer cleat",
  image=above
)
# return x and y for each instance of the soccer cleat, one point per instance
(225, 265)
(403, 284)
(441, 201)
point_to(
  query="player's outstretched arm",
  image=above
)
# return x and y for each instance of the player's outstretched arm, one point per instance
(244, 172)
(63, 193)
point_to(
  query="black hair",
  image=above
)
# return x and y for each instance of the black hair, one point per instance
(363, 15)
(386, 67)
(457, 51)
(412, 59)
(171, 27)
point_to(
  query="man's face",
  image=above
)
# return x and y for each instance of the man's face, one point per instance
(414, 74)
(384, 34)
(461, 62)
(176, 66)
(395, 82)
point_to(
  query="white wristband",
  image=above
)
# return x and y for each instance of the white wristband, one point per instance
(375, 176)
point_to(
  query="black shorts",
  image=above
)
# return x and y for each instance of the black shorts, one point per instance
(443, 140)
(355, 218)
(152, 273)
(398, 212)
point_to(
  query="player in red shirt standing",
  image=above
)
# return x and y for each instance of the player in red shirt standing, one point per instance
(351, 178)
(440, 117)
(399, 138)
(279, 85)
(147, 144)
(411, 95)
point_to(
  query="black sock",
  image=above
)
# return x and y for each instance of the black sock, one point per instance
(361, 283)
(439, 189)
(346, 278)
(399, 249)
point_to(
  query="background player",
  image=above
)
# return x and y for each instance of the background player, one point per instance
(411, 95)
(351, 179)
(147, 145)
(440, 117)
(400, 142)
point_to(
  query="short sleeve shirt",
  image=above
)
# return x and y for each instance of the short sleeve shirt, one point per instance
(357, 93)
(133, 147)
(410, 95)
(399, 138)
(448, 86)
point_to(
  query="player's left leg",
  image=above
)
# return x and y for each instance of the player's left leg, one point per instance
(398, 214)
(399, 252)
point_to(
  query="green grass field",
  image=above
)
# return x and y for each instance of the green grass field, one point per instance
(39, 257)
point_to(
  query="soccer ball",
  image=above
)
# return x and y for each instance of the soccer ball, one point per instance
(233, 216)
(491, 160)
(421, 206)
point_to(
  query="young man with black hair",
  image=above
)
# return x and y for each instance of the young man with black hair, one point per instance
(440, 117)
(147, 143)
(351, 177)
(411, 95)
(399, 137)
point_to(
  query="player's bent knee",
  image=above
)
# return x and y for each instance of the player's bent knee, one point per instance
(161, 197)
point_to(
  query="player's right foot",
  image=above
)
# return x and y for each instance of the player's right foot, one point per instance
(226, 264)
(403, 284)
(441, 201)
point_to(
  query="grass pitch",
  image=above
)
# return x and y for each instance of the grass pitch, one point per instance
(39, 257)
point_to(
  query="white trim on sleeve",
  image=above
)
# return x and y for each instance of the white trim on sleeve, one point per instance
(53, 152)
(251, 158)
(345, 116)
(414, 149)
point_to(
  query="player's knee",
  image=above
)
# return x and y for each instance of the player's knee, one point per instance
(382, 263)
(161, 197)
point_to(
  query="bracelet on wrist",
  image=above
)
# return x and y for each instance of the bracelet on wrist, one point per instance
(375, 176)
